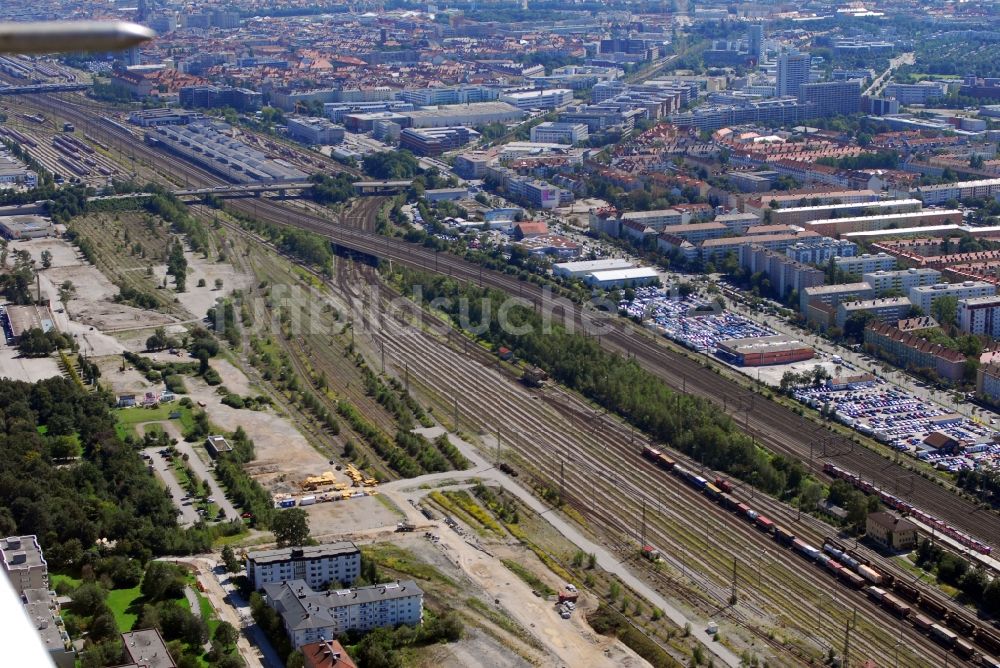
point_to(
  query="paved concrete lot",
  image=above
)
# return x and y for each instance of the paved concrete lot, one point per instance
(161, 466)
(24, 368)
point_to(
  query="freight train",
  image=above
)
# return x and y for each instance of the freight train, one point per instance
(906, 508)
(950, 629)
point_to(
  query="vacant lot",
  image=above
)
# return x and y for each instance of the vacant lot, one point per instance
(26, 369)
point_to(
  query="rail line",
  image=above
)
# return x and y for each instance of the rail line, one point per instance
(774, 425)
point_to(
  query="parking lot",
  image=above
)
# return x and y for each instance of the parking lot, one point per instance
(674, 317)
(902, 421)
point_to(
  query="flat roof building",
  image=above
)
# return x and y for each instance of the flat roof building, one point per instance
(798, 215)
(890, 309)
(26, 227)
(835, 227)
(924, 296)
(559, 133)
(216, 445)
(310, 616)
(621, 278)
(980, 315)
(551, 98)
(23, 318)
(832, 295)
(23, 563)
(471, 115)
(865, 263)
(901, 280)
(146, 648)
(584, 267)
(765, 350)
(317, 565)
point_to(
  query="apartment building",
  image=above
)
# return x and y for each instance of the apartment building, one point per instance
(833, 295)
(832, 98)
(865, 263)
(906, 350)
(799, 215)
(939, 194)
(23, 563)
(718, 248)
(891, 221)
(310, 616)
(786, 275)
(988, 380)
(980, 315)
(820, 250)
(559, 133)
(658, 219)
(924, 296)
(738, 222)
(901, 280)
(317, 566)
(891, 309)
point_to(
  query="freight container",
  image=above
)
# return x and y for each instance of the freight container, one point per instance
(907, 591)
(850, 578)
(783, 536)
(989, 639)
(764, 524)
(922, 622)
(307, 500)
(724, 485)
(964, 648)
(870, 574)
(833, 566)
(933, 607)
(744, 509)
(943, 635)
(728, 502)
(876, 594)
(712, 492)
(665, 462)
(650, 453)
(286, 503)
(806, 550)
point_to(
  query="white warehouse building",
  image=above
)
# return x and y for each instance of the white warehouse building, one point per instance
(583, 267)
(559, 133)
(550, 98)
(622, 278)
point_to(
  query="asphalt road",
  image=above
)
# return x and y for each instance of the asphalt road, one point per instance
(161, 466)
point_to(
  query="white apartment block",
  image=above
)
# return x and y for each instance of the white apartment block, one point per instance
(559, 133)
(657, 219)
(923, 297)
(980, 315)
(310, 616)
(23, 563)
(902, 280)
(866, 263)
(939, 194)
(317, 566)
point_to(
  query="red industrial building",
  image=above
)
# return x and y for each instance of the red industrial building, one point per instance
(765, 350)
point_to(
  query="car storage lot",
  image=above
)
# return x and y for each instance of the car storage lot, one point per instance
(672, 317)
(903, 421)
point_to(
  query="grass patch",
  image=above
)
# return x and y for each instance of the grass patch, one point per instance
(60, 578)
(154, 429)
(390, 506)
(125, 604)
(126, 419)
(462, 500)
(530, 578)
(607, 621)
(402, 561)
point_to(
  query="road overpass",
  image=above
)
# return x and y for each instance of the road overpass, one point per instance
(361, 187)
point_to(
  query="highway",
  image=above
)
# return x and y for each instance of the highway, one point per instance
(775, 426)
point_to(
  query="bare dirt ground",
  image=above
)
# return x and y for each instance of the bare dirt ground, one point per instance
(284, 456)
(27, 369)
(88, 280)
(63, 254)
(109, 317)
(121, 382)
(350, 515)
(197, 300)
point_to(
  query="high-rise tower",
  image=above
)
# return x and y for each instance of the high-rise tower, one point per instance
(793, 71)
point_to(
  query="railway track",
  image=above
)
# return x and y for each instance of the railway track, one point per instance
(775, 426)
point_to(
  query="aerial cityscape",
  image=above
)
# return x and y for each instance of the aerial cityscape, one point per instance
(535, 333)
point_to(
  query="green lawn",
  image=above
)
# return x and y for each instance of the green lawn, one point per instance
(127, 418)
(125, 605)
(56, 578)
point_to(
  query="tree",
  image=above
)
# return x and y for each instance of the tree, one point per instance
(162, 581)
(158, 340)
(226, 634)
(233, 564)
(66, 292)
(291, 527)
(218, 284)
(46, 259)
(945, 309)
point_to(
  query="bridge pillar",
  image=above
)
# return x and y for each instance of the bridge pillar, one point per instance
(257, 193)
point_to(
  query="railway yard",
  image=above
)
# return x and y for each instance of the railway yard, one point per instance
(779, 593)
